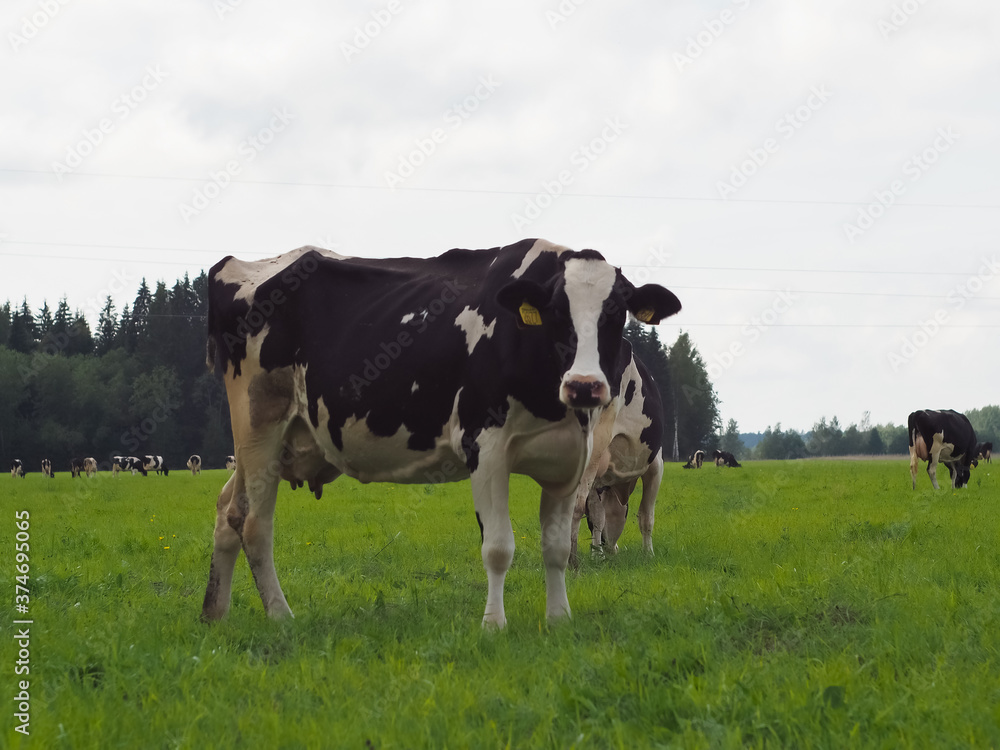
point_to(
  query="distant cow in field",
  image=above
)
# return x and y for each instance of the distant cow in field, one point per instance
(194, 463)
(76, 467)
(627, 446)
(90, 466)
(724, 458)
(946, 437)
(154, 463)
(695, 460)
(472, 365)
(231, 463)
(47, 468)
(16, 468)
(984, 451)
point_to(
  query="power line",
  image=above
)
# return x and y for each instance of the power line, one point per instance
(481, 191)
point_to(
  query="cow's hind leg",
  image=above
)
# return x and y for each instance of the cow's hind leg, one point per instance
(257, 534)
(224, 555)
(556, 515)
(647, 506)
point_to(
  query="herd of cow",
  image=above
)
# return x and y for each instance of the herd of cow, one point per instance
(476, 364)
(133, 464)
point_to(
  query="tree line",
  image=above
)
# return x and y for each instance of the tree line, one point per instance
(830, 439)
(135, 385)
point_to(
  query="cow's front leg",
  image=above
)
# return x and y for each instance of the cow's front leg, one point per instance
(932, 465)
(490, 490)
(556, 515)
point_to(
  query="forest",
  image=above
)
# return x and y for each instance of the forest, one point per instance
(137, 384)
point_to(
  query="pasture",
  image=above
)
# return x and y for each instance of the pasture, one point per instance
(799, 604)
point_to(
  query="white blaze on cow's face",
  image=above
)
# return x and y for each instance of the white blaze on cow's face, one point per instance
(588, 284)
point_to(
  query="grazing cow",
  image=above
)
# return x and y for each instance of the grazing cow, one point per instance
(627, 446)
(724, 458)
(154, 463)
(477, 363)
(695, 460)
(90, 466)
(16, 469)
(76, 467)
(984, 451)
(231, 463)
(942, 437)
(194, 463)
(47, 468)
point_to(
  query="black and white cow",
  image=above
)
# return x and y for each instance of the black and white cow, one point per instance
(231, 463)
(984, 452)
(946, 437)
(476, 363)
(154, 463)
(194, 464)
(695, 460)
(90, 466)
(628, 444)
(724, 458)
(47, 468)
(76, 467)
(16, 468)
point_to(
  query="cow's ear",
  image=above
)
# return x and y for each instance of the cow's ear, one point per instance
(651, 303)
(524, 299)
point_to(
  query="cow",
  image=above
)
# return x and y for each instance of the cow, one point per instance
(695, 460)
(16, 468)
(118, 463)
(154, 463)
(473, 364)
(724, 458)
(944, 436)
(194, 463)
(90, 466)
(984, 452)
(628, 444)
(231, 463)
(76, 467)
(47, 468)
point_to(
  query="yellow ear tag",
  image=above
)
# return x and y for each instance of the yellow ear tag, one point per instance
(645, 314)
(530, 315)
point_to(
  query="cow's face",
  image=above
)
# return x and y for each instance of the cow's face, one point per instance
(581, 310)
(962, 476)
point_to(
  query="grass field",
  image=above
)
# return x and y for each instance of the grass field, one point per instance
(808, 604)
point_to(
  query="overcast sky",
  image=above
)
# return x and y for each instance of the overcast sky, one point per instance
(817, 182)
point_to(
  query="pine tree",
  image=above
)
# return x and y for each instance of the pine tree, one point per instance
(695, 401)
(106, 331)
(731, 442)
(123, 338)
(43, 324)
(140, 313)
(81, 341)
(22, 330)
(5, 323)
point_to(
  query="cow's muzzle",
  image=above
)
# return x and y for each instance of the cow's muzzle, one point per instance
(584, 393)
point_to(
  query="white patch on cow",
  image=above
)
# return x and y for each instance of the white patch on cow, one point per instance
(588, 284)
(407, 318)
(540, 246)
(474, 326)
(414, 387)
(249, 275)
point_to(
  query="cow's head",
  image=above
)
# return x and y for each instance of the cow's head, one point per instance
(579, 303)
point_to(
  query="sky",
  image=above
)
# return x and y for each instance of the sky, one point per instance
(817, 182)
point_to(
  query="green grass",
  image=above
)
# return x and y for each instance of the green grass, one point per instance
(810, 604)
